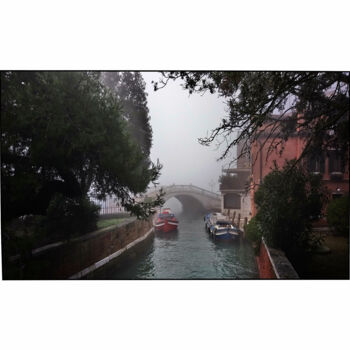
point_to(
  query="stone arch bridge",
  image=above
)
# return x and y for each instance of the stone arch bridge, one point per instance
(193, 199)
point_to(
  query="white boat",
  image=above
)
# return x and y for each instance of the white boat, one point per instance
(219, 226)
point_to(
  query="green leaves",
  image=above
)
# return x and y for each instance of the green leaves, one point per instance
(338, 215)
(66, 133)
(287, 201)
(129, 90)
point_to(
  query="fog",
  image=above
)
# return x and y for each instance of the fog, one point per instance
(178, 120)
(175, 206)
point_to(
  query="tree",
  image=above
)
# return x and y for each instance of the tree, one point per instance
(338, 215)
(129, 89)
(288, 200)
(274, 104)
(63, 132)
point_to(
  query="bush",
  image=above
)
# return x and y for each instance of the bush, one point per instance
(68, 216)
(65, 218)
(252, 230)
(338, 215)
(23, 234)
(252, 233)
(287, 200)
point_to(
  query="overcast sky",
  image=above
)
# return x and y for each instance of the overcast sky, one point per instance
(178, 120)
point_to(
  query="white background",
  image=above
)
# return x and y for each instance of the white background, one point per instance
(159, 35)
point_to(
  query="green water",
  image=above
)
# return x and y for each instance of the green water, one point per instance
(189, 253)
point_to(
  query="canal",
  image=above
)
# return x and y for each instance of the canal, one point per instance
(189, 253)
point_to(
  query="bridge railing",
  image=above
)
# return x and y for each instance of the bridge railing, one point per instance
(202, 190)
(189, 188)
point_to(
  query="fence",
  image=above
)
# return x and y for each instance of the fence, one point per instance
(109, 206)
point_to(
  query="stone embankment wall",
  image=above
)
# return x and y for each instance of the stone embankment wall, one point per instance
(84, 254)
(273, 264)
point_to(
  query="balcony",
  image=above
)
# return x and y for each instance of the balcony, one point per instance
(238, 182)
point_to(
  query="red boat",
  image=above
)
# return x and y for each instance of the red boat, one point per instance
(166, 221)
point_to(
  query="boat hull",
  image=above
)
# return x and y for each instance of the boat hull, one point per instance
(166, 226)
(225, 235)
(165, 221)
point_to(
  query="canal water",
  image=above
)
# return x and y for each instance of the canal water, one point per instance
(189, 253)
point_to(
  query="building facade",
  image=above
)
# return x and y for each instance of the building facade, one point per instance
(334, 171)
(234, 187)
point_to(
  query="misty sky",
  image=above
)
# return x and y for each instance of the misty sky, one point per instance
(178, 120)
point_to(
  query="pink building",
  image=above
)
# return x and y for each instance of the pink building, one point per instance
(335, 174)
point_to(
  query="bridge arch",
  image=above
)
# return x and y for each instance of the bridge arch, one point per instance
(189, 204)
(193, 199)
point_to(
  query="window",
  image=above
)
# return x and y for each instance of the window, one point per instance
(316, 163)
(336, 164)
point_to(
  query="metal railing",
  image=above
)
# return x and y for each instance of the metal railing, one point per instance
(109, 206)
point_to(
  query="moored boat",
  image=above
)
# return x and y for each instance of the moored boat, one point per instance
(219, 226)
(165, 221)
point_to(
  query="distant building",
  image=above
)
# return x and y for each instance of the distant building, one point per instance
(234, 186)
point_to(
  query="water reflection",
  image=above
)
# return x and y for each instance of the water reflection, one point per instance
(167, 236)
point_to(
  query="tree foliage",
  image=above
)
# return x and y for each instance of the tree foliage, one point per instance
(129, 89)
(272, 104)
(63, 132)
(338, 215)
(287, 201)
(253, 233)
(71, 216)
